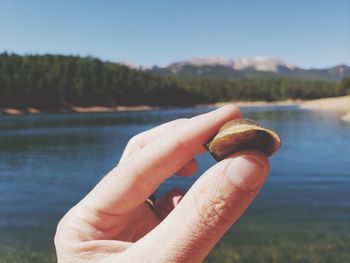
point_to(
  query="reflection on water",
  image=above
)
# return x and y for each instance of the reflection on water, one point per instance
(49, 162)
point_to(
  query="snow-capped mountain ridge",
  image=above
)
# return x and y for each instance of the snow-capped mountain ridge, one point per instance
(265, 64)
(238, 68)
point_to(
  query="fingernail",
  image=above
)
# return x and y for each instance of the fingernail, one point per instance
(248, 171)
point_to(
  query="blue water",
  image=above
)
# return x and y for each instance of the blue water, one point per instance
(49, 162)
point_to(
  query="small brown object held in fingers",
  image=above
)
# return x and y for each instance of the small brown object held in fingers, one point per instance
(243, 134)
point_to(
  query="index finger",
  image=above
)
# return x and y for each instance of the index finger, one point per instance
(129, 184)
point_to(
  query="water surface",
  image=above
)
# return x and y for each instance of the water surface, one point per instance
(49, 162)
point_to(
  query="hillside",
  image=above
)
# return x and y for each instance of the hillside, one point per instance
(53, 81)
(258, 67)
(56, 82)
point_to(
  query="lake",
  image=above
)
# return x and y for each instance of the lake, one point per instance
(49, 162)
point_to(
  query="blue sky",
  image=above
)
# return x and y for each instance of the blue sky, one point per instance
(308, 33)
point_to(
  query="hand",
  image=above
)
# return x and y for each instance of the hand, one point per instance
(114, 224)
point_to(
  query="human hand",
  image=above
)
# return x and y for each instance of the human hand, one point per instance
(114, 224)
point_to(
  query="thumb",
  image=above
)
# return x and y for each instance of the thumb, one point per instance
(210, 207)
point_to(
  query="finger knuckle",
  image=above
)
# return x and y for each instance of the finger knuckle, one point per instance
(180, 144)
(58, 239)
(63, 232)
(135, 140)
(181, 121)
(214, 213)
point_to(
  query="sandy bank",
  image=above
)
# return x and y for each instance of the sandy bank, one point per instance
(346, 117)
(109, 109)
(340, 104)
(14, 111)
(258, 103)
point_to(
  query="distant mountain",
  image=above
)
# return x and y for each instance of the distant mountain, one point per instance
(224, 68)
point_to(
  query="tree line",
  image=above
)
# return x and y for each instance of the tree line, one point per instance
(55, 81)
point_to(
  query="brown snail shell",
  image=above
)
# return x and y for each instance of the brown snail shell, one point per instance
(242, 134)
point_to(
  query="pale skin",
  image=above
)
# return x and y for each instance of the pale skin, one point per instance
(114, 224)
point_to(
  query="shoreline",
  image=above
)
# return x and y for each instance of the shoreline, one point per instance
(75, 109)
(338, 104)
(79, 109)
(258, 103)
